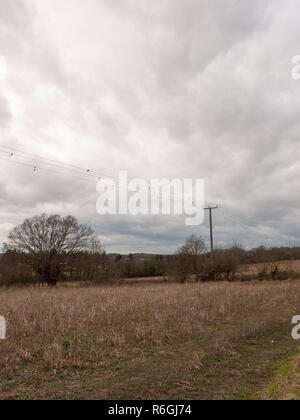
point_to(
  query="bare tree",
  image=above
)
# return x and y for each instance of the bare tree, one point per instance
(188, 257)
(46, 242)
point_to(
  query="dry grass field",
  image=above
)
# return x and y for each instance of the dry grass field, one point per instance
(147, 341)
(293, 265)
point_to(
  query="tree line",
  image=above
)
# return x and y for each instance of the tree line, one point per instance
(50, 249)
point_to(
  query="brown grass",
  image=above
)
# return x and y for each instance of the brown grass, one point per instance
(293, 265)
(53, 332)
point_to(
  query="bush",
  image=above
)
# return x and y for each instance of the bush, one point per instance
(273, 271)
(221, 266)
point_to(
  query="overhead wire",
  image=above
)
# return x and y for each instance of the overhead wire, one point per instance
(13, 153)
(36, 168)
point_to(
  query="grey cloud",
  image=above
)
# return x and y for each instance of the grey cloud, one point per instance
(5, 114)
(24, 46)
(162, 89)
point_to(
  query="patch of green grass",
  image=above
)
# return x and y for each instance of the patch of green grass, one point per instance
(283, 365)
(278, 372)
(66, 343)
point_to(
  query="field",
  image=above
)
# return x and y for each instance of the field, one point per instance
(150, 341)
(253, 269)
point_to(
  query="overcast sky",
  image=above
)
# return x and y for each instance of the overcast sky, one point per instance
(167, 88)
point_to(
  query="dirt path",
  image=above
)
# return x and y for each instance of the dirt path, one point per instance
(200, 368)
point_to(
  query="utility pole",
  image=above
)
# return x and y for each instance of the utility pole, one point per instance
(210, 209)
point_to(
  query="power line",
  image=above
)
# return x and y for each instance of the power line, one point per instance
(35, 168)
(35, 158)
(11, 149)
(13, 153)
(210, 209)
(86, 175)
(12, 158)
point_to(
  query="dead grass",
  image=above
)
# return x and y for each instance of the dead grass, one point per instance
(53, 333)
(293, 265)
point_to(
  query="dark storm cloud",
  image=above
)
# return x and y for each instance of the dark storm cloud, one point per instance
(161, 89)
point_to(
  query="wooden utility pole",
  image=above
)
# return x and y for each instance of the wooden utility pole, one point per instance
(210, 209)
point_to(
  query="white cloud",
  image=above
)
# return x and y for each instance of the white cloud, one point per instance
(3, 68)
